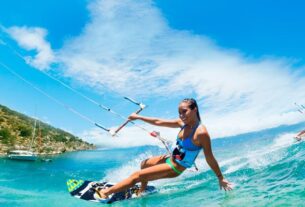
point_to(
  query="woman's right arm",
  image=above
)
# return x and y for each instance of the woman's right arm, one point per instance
(173, 123)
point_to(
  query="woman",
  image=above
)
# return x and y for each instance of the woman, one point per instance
(192, 137)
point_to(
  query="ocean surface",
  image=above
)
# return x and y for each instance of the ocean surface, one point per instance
(267, 169)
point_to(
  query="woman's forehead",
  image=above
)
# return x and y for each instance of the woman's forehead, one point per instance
(184, 105)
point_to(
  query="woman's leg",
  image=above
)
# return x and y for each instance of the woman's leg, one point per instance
(149, 163)
(144, 175)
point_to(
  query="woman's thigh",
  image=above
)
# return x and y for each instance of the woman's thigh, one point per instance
(153, 161)
(157, 172)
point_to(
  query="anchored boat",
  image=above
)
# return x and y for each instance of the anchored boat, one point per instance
(22, 155)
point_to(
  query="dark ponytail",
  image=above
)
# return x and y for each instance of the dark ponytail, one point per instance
(192, 104)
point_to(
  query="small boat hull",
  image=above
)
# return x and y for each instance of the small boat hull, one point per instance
(22, 155)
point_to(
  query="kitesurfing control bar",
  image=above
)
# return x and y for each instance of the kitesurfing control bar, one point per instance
(100, 126)
(142, 106)
(132, 100)
(124, 124)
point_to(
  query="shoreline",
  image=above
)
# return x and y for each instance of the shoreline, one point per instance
(3, 154)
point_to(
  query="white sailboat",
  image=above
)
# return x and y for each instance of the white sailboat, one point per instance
(22, 155)
(27, 155)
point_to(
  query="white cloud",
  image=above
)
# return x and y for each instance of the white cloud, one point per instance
(129, 47)
(33, 38)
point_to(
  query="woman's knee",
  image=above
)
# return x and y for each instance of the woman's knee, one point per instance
(136, 177)
(144, 164)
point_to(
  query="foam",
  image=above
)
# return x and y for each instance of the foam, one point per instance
(261, 157)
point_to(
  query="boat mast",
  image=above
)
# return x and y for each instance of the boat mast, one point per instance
(33, 135)
(39, 138)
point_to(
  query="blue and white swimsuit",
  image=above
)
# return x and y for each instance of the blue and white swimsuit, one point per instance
(186, 152)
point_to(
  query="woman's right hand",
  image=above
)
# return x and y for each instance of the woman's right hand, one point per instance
(133, 116)
(224, 184)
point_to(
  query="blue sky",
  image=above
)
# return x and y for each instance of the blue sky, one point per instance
(242, 61)
(257, 28)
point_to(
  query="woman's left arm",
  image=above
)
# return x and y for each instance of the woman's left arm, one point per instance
(205, 142)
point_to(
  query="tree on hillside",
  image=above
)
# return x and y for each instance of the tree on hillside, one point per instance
(6, 137)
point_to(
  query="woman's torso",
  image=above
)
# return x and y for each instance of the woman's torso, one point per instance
(187, 148)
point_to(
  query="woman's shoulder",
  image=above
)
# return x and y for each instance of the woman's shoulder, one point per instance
(202, 131)
(180, 123)
(201, 135)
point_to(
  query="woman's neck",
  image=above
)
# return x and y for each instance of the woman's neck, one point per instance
(193, 124)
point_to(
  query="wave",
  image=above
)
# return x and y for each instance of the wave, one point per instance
(261, 156)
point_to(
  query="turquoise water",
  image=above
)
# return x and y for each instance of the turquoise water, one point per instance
(267, 169)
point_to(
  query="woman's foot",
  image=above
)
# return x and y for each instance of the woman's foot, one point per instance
(139, 193)
(101, 195)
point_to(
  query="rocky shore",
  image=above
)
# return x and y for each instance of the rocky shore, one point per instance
(20, 132)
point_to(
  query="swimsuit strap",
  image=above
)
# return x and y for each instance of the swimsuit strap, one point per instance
(192, 133)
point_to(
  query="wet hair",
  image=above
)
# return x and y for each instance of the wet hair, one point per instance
(192, 104)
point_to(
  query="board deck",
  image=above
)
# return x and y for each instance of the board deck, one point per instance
(85, 189)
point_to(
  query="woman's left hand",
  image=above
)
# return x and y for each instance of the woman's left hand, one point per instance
(133, 116)
(226, 185)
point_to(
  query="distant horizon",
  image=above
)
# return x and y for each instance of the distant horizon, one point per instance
(276, 130)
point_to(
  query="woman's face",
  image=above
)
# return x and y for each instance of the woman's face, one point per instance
(186, 114)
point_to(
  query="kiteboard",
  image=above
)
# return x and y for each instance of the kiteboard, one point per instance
(86, 190)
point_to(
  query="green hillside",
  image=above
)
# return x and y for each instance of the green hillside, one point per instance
(17, 130)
